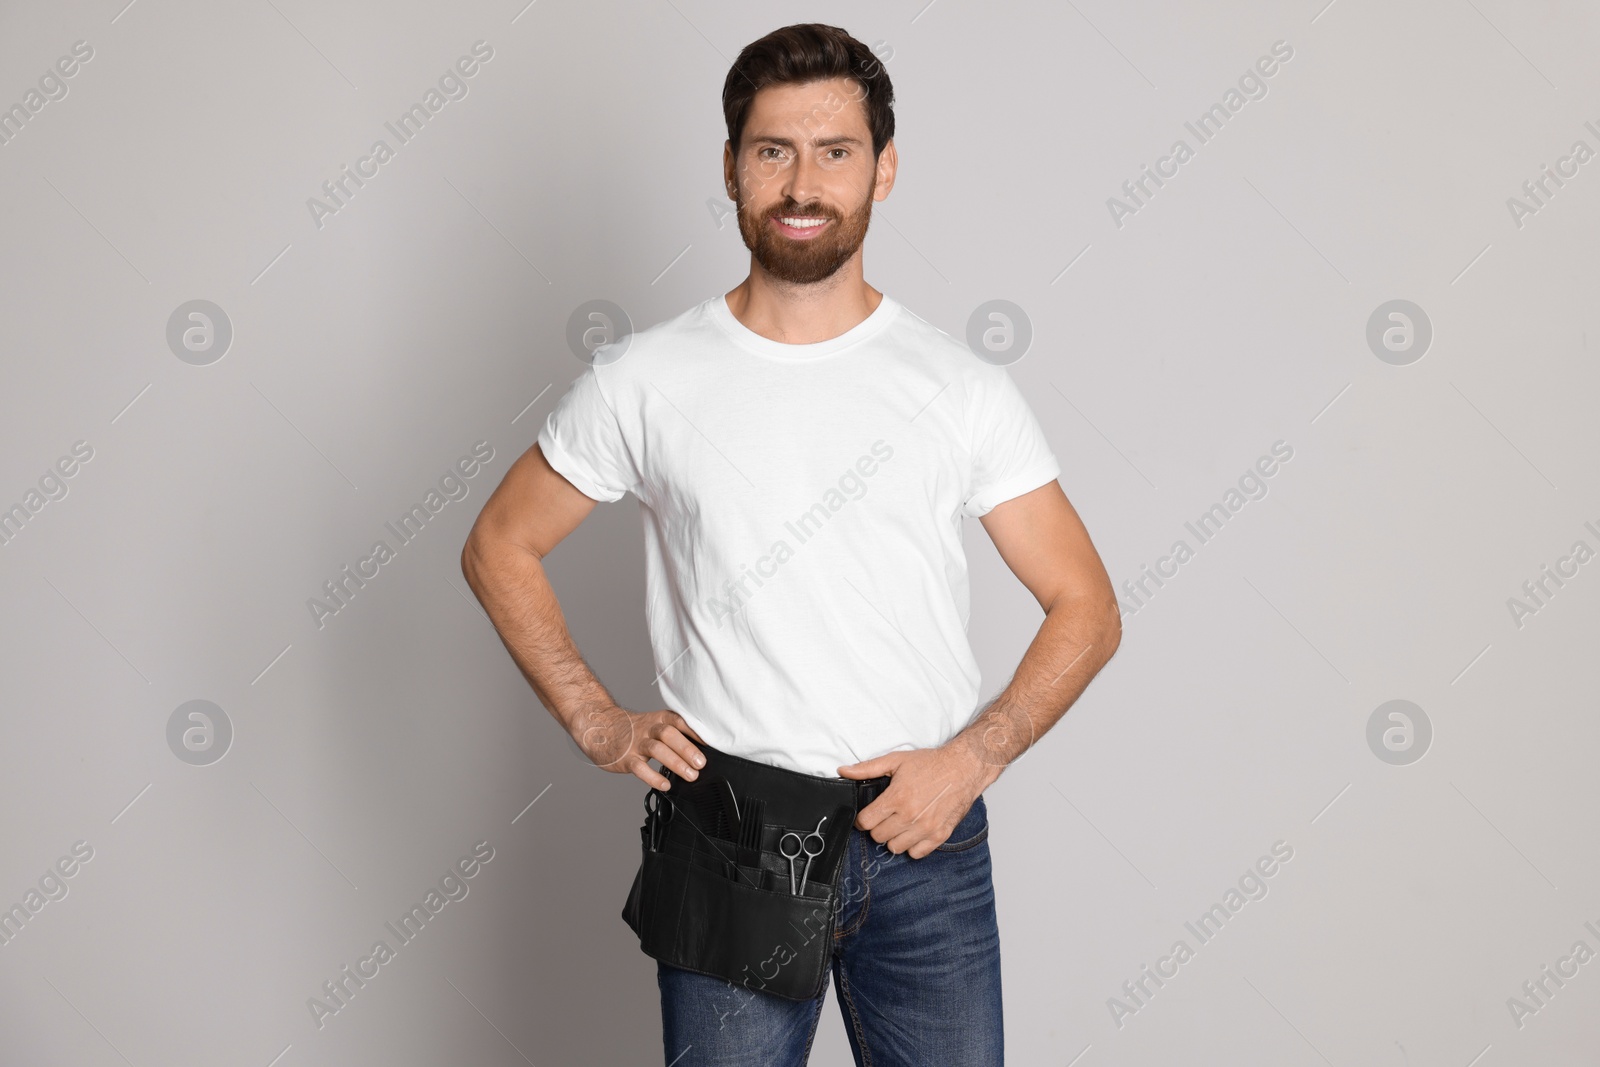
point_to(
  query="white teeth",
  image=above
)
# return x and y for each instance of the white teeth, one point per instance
(802, 223)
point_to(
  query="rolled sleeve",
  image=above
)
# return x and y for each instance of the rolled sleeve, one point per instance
(1010, 455)
(582, 439)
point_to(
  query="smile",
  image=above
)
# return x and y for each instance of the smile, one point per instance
(800, 226)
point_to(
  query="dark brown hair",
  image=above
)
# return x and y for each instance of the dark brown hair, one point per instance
(808, 52)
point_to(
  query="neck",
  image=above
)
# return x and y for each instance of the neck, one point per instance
(803, 314)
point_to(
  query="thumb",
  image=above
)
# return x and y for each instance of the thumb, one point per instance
(872, 768)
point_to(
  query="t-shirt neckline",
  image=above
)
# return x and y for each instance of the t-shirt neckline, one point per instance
(748, 339)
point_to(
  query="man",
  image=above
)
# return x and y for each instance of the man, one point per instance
(805, 449)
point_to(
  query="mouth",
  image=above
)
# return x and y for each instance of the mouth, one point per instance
(800, 227)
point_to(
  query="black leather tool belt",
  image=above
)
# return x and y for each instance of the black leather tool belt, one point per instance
(741, 869)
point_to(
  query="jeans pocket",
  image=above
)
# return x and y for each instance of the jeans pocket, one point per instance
(971, 831)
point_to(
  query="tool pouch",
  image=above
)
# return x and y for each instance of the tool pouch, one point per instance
(694, 905)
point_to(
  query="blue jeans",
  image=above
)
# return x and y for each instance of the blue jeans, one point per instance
(916, 968)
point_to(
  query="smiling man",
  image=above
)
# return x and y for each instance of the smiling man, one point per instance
(805, 450)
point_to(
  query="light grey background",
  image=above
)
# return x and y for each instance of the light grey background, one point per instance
(1169, 353)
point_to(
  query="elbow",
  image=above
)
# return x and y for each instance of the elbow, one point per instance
(1098, 615)
(1112, 629)
(1111, 620)
(484, 556)
(471, 560)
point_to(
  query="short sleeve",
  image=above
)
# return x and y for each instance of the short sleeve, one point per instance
(1010, 455)
(583, 440)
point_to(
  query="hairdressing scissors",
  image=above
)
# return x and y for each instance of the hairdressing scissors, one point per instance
(658, 812)
(802, 845)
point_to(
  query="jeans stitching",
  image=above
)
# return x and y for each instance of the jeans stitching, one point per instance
(855, 1018)
(816, 1015)
(971, 842)
(866, 902)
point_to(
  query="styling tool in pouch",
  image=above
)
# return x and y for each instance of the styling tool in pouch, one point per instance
(751, 821)
(709, 805)
(728, 821)
(657, 813)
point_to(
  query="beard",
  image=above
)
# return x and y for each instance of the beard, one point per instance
(804, 262)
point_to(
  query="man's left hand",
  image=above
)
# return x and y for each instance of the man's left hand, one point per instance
(931, 790)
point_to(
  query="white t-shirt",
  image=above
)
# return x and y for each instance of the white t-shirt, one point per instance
(803, 504)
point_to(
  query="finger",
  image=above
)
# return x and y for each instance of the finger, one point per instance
(889, 827)
(684, 727)
(905, 833)
(681, 747)
(669, 757)
(674, 736)
(649, 775)
(884, 807)
(874, 813)
(871, 768)
(909, 841)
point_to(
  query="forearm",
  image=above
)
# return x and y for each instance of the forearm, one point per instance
(511, 584)
(1076, 639)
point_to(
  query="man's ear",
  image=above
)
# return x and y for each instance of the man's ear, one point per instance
(888, 164)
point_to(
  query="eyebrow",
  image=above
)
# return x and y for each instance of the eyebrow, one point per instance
(825, 142)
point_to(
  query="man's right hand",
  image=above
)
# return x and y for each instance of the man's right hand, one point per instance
(624, 742)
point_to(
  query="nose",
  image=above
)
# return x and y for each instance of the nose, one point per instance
(802, 182)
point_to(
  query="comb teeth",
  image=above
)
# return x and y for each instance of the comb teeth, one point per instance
(715, 804)
(749, 821)
(726, 820)
(708, 810)
(750, 831)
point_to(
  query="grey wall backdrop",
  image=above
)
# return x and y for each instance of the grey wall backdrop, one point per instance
(1346, 755)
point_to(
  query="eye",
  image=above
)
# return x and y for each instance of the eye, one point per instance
(841, 151)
